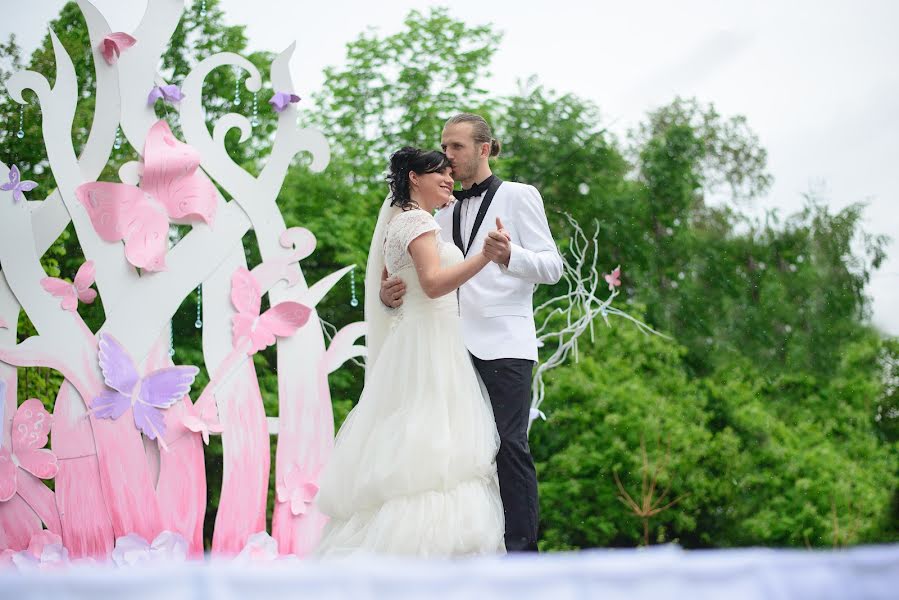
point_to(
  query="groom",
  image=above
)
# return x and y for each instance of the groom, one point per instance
(496, 305)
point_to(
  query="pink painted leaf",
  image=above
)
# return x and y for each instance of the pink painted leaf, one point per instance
(281, 100)
(173, 177)
(71, 293)
(614, 278)
(146, 396)
(16, 185)
(113, 45)
(124, 212)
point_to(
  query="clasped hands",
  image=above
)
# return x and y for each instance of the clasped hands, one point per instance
(497, 248)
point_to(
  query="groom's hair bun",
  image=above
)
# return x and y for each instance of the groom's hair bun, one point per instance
(411, 160)
(480, 130)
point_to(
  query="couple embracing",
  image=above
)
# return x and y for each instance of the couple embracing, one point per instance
(434, 459)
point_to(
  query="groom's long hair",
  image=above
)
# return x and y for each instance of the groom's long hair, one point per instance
(480, 130)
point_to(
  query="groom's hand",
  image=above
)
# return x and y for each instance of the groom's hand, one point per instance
(498, 245)
(392, 290)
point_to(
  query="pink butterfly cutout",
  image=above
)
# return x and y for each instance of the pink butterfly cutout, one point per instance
(281, 320)
(30, 428)
(203, 419)
(3, 324)
(16, 185)
(113, 45)
(172, 187)
(71, 293)
(146, 396)
(614, 278)
(294, 488)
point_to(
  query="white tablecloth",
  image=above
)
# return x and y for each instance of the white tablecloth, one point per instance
(653, 574)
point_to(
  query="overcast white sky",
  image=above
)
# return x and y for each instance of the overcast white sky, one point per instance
(816, 79)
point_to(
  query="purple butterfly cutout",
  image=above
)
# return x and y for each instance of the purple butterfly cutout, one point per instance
(144, 395)
(282, 100)
(16, 185)
(169, 93)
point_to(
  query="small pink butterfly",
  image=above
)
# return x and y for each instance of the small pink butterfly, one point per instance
(203, 420)
(71, 293)
(282, 100)
(172, 187)
(297, 490)
(146, 396)
(113, 45)
(30, 428)
(16, 185)
(281, 320)
(614, 278)
(3, 324)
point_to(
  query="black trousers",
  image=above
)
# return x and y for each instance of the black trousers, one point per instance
(508, 380)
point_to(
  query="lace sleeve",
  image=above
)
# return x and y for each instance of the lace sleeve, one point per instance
(404, 228)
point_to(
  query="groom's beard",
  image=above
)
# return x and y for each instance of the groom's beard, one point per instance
(466, 170)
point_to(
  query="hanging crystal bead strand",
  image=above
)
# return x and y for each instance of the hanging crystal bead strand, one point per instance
(255, 120)
(199, 322)
(236, 101)
(21, 132)
(353, 301)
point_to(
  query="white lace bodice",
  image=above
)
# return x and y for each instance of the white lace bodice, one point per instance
(404, 228)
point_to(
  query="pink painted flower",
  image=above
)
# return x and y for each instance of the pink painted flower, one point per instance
(113, 45)
(613, 278)
(297, 489)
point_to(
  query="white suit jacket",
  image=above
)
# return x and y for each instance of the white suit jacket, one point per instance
(497, 304)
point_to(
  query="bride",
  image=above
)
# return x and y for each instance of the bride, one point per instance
(413, 471)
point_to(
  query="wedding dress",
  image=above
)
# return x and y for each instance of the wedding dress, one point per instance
(413, 471)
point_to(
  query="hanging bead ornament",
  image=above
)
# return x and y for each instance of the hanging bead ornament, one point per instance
(255, 120)
(171, 338)
(21, 132)
(118, 138)
(199, 322)
(236, 101)
(202, 8)
(353, 301)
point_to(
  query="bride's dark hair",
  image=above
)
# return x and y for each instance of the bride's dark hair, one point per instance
(405, 161)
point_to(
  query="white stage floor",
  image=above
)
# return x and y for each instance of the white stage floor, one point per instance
(869, 573)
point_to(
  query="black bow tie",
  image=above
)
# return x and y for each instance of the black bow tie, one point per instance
(477, 189)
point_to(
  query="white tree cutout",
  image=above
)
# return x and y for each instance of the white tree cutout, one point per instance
(103, 463)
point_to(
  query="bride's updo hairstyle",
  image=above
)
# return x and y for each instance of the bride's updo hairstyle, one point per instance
(408, 160)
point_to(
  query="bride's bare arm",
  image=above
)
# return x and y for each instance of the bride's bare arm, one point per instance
(435, 280)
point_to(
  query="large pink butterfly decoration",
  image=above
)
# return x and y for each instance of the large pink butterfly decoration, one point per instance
(30, 429)
(281, 320)
(113, 44)
(145, 396)
(71, 293)
(172, 187)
